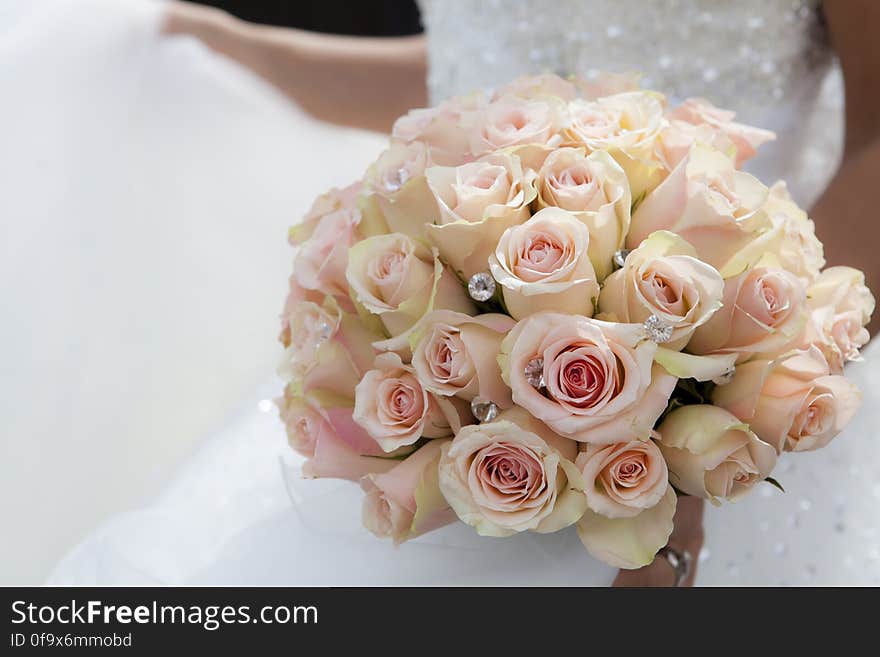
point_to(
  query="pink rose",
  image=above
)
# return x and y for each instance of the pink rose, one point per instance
(764, 311)
(321, 260)
(595, 188)
(396, 410)
(712, 454)
(709, 204)
(512, 121)
(839, 336)
(512, 475)
(623, 479)
(400, 280)
(841, 306)
(332, 443)
(406, 501)
(793, 402)
(543, 264)
(676, 139)
(455, 355)
(630, 502)
(588, 380)
(329, 349)
(328, 203)
(444, 129)
(745, 138)
(478, 201)
(296, 294)
(663, 278)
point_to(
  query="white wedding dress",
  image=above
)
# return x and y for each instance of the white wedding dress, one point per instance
(237, 513)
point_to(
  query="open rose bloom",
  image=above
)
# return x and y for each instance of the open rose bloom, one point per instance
(559, 307)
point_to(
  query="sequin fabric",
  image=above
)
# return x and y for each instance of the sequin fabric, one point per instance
(766, 59)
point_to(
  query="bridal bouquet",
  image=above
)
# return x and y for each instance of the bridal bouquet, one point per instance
(563, 303)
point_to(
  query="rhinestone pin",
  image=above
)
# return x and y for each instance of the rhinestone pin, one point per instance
(483, 409)
(325, 331)
(393, 184)
(481, 286)
(535, 372)
(620, 257)
(725, 378)
(658, 330)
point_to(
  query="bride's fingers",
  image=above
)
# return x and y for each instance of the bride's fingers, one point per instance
(688, 521)
(687, 534)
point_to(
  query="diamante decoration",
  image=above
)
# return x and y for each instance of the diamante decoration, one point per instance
(658, 330)
(535, 372)
(724, 378)
(392, 185)
(325, 331)
(483, 409)
(620, 257)
(481, 287)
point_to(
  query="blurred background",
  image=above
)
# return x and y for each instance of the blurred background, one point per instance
(147, 185)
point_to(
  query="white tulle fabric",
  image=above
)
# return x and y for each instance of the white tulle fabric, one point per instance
(227, 516)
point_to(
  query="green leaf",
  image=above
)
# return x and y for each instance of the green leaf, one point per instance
(771, 480)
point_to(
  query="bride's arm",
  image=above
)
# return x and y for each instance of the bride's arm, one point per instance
(847, 215)
(355, 81)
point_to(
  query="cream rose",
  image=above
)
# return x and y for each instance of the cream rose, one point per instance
(844, 289)
(764, 311)
(630, 502)
(710, 453)
(711, 205)
(628, 121)
(512, 121)
(795, 247)
(478, 201)
(531, 87)
(627, 126)
(400, 280)
(406, 501)
(543, 264)
(592, 381)
(395, 183)
(792, 402)
(595, 188)
(512, 475)
(663, 277)
(745, 138)
(320, 428)
(455, 355)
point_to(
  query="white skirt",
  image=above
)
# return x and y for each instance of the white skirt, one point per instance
(150, 264)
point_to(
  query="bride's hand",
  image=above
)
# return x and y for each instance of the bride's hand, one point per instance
(687, 535)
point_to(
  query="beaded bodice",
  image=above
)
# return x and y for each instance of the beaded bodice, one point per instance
(766, 59)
